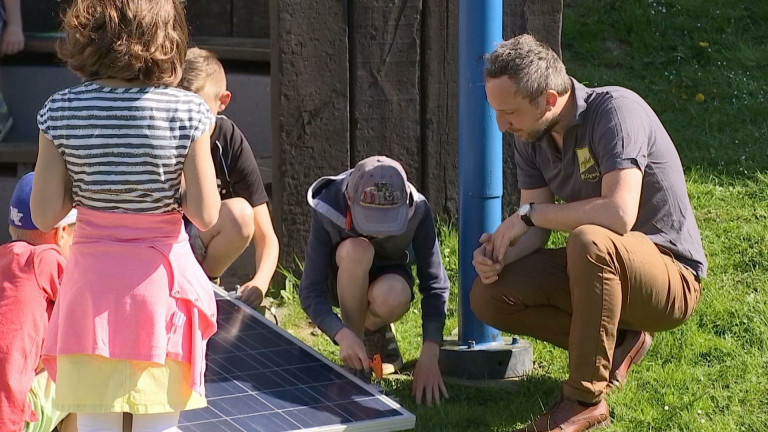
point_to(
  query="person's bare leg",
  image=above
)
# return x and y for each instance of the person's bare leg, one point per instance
(354, 257)
(127, 422)
(69, 424)
(389, 298)
(228, 238)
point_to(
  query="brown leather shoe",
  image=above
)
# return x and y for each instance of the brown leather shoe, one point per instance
(566, 415)
(631, 351)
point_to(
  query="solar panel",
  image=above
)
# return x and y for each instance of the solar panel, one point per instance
(261, 378)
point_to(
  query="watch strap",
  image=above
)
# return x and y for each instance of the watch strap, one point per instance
(526, 218)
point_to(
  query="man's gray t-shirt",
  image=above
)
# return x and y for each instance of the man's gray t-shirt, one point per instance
(614, 128)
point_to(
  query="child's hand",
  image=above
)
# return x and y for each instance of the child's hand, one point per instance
(427, 381)
(251, 294)
(352, 349)
(12, 40)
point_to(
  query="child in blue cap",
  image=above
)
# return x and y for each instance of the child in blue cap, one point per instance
(31, 266)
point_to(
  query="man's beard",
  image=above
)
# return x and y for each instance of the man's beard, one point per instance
(545, 128)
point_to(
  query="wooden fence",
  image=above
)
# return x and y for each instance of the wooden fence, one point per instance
(352, 79)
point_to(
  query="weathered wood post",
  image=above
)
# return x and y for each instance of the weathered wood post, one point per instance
(310, 109)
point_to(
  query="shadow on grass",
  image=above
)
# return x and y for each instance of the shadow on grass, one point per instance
(483, 407)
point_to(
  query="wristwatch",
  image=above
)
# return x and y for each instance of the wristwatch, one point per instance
(525, 214)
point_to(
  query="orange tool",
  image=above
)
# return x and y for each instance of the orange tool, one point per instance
(376, 366)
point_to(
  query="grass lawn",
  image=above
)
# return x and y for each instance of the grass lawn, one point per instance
(702, 66)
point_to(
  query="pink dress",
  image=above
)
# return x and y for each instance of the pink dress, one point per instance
(144, 297)
(129, 330)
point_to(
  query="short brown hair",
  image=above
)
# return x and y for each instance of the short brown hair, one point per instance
(143, 40)
(32, 236)
(199, 66)
(531, 64)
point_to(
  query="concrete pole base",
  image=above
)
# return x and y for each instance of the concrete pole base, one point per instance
(510, 358)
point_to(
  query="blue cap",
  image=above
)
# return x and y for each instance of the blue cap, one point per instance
(378, 197)
(19, 214)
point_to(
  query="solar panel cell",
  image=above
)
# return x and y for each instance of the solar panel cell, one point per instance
(320, 415)
(260, 378)
(269, 422)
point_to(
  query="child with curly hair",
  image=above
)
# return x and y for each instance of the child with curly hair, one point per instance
(131, 152)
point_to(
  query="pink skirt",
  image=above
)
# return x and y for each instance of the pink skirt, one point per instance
(132, 290)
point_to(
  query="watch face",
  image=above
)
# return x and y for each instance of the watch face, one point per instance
(524, 209)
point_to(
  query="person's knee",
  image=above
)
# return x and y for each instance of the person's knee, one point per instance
(356, 251)
(391, 297)
(237, 217)
(481, 300)
(490, 302)
(587, 242)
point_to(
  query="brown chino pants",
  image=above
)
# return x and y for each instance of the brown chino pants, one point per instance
(578, 297)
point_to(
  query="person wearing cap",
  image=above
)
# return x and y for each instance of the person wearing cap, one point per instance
(369, 225)
(634, 260)
(31, 265)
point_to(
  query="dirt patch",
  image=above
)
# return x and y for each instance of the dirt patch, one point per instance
(306, 331)
(617, 48)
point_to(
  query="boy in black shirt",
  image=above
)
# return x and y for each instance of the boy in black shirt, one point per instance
(244, 213)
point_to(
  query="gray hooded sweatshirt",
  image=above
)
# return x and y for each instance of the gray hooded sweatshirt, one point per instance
(418, 244)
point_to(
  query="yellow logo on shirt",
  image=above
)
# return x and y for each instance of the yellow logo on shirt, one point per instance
(587, 167)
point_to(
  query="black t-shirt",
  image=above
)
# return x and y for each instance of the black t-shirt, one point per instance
(237, 173)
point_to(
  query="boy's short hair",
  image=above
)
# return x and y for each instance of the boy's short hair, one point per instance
(142, 40)
(199, 66)
(31, 236)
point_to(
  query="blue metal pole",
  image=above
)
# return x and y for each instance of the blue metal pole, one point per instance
(480, 155)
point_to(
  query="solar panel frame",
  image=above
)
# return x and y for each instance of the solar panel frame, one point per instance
(265, 396)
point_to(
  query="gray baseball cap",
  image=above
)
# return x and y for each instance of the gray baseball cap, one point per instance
(377, 190)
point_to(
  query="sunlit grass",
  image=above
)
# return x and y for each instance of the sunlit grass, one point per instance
(709, 374)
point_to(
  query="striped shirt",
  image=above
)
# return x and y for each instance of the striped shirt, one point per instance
(124, 148)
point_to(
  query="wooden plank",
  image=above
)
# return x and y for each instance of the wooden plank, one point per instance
(385, 108)
(205, 17)
(250, 19)
(18, 152)
(220, 18)
(209, 18)
(226, 48)
(40, 43)
(247, 49)
(543, 20)
(440, 53)
(310, 110)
